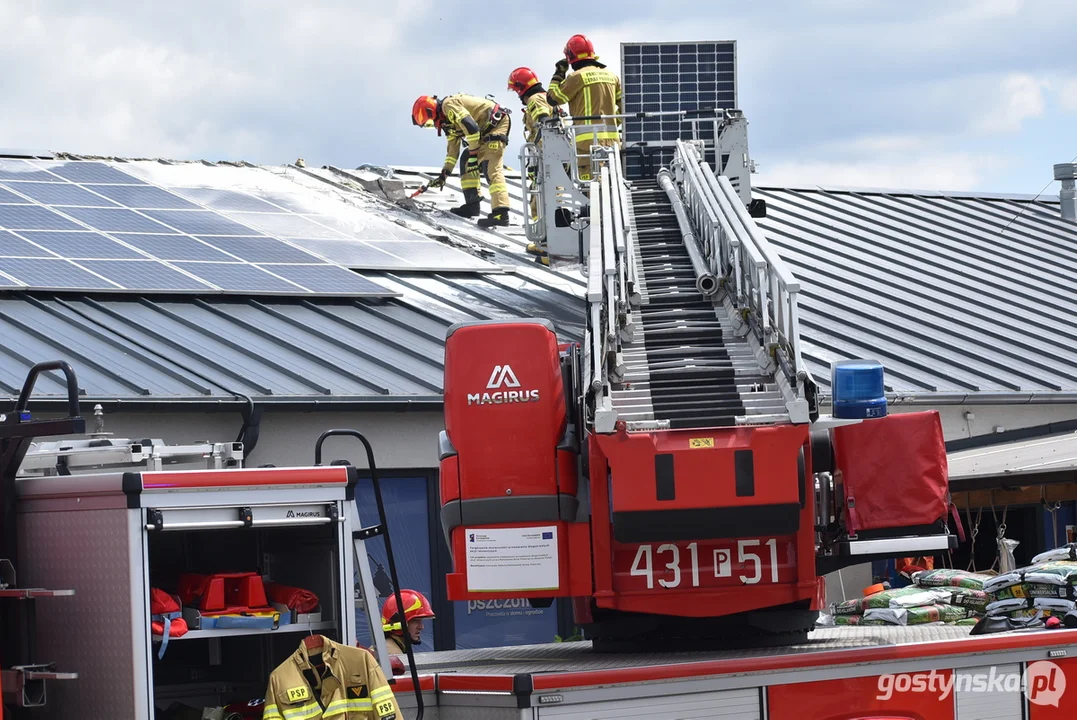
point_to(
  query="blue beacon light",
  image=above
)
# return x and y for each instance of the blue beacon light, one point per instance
(858, 389)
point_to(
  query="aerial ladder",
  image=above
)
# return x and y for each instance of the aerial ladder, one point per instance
(673, 474)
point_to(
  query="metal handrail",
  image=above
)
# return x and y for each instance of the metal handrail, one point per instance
(759, 284)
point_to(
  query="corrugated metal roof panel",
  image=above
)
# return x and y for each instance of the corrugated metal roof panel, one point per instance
(266, 349)
(952, 294)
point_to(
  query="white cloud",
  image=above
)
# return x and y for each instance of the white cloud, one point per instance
(1021, 96)
(1067, 95)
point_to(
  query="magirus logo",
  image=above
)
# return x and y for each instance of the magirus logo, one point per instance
(502, 377)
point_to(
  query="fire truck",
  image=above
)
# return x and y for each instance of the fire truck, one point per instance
(673, 477)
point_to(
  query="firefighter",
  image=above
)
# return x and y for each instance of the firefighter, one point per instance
(536, 108)
(323, 678)
(416, 609)
(590, 90)
(484, 126)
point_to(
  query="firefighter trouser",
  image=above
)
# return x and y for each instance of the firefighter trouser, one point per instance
(491, 156)
(584, 140)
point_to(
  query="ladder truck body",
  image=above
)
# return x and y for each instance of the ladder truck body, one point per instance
(673, 474)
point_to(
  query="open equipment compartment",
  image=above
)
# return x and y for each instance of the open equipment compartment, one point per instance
(114, 536)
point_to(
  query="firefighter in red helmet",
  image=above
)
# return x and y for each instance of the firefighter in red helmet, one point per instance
(590, 90)
(484, 125)
(416, 609)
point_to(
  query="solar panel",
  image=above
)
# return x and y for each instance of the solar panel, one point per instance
(6, 196)
(86, 225)
(33, 217)
(199, 222)
(59, 194)
(143, 196)
(175, 247)
(285, 225)
(143, 275)
(22, 170)
(262, 250)
(429, 254)
(116, 220)
(664, 77)
(226, 199)
(50, 274)
(93, 172)
(419, 255)
(13, 246)
(80, 244)
(326, 279)
(238, 276)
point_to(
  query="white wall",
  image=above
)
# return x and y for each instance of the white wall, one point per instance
(409, 440)
(399, 440)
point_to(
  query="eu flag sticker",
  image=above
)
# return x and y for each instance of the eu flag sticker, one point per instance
(547, 536)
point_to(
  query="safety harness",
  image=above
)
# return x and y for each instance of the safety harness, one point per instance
(496, 116)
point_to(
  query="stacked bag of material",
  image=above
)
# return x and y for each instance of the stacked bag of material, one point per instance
(1047, 587)
(953, 597)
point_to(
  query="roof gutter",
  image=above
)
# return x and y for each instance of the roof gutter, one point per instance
(974, 398)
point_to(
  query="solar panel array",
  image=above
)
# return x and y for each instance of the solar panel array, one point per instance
(90, 226)
(663, 77)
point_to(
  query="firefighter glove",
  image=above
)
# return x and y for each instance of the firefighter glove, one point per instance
(439, 181)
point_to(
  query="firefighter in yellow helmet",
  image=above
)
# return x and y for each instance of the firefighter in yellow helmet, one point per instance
(590, 90)
(526, 85)
(416, 609)
(484, 126)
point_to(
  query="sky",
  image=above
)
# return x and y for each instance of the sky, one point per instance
(969, 95)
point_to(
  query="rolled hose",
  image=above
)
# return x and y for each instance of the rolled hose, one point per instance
(706, 283)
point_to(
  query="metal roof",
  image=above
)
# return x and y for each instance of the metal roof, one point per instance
(278, 350)
(958, 296)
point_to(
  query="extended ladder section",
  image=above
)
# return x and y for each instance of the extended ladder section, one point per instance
(693, 316)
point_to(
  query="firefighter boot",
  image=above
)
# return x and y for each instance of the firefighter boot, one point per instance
(470, 208)
(536, 248)
(499, 217)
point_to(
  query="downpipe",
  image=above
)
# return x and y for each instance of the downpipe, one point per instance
(706, 283)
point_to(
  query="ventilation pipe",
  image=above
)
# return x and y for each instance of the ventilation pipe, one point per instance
(1067, 174)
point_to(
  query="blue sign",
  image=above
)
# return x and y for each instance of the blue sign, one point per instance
(494, 623)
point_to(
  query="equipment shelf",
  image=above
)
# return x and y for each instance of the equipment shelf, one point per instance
(226, 632)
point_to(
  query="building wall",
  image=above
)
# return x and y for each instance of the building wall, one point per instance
(399, 440)
(409, 440)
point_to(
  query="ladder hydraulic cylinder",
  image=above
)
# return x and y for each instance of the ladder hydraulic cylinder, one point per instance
(706, 283)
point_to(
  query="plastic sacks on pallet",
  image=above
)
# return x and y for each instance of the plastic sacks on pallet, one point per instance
(1040, 590)
(946, 596)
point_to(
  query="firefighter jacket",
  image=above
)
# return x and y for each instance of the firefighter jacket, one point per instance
(474, 120)
(350, 686)
(536, 108)
(591, 90)
(394, 646)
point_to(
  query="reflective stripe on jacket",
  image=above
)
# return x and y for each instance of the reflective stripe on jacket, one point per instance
(590, 91)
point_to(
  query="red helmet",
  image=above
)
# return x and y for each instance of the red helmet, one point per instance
(415, 606)
(424, 112)
(522, 79)
(579, 48)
